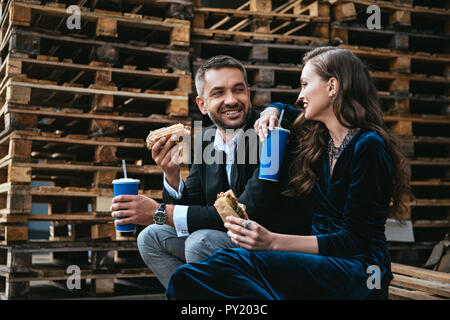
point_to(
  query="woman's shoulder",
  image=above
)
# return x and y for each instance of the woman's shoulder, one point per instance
(370, 140)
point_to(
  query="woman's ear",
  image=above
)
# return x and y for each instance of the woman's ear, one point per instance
(201, 105)
(332, 87)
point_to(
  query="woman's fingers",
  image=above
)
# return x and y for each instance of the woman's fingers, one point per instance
(235, 220)
(242, 240)
(272, 123)
(239, 229)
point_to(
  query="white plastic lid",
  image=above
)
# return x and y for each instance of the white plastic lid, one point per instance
(126, 180)
(282, 129)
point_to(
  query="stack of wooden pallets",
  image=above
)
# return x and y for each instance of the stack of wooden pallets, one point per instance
(409, 60)
(75, 101)
(268, 36)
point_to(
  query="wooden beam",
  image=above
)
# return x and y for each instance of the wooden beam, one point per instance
(226, 19)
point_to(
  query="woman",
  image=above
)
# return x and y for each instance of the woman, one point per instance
(349, 165)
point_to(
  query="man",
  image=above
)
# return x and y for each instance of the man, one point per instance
(192, 229)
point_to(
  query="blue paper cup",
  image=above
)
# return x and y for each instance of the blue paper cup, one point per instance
(125, 186)
(272, 153)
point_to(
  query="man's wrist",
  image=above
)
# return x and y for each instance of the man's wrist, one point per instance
(169, 214)
(173, 180)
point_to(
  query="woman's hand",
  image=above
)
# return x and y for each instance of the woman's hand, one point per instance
(256, 237)
(267, 119)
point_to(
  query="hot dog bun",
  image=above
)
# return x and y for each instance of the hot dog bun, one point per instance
(227, 205)
(178, 129)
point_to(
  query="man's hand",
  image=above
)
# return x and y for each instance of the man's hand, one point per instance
(166, 156)
(267, 119)
(137, 209)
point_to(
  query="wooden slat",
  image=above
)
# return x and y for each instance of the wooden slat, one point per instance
(440, 289)
(208, 33)
(295, 29)
(161, 120)
(420, 272)
(397, 6)
(226, 19)
(262, 14)
(403, 294)
(159, 96)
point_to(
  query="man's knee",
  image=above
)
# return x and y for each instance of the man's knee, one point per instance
(151, 237)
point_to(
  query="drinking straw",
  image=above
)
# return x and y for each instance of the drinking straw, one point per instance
(125, 168)
(281, 117)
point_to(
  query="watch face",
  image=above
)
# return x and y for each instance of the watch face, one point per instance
(159, 217)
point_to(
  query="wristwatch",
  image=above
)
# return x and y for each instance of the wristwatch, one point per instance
(160, 217)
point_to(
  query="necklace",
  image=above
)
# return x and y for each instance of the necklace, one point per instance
(335, 152)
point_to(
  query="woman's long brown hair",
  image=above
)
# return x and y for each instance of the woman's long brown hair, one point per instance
(356, 104)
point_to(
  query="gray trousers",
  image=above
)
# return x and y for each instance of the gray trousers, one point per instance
(163, 251)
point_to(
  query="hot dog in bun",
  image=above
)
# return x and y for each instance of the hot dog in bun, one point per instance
(227, 205)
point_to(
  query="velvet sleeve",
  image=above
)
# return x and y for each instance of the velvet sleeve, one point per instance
(290, 113)
(367, 200)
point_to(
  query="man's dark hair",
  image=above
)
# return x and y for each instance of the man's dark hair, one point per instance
(217, 62)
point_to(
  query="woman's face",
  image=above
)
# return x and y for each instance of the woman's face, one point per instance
(315, 94)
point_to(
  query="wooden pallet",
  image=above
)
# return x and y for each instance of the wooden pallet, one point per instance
(99, 97)
(360, 35)
(20, 265)
(69, 211)
(430, 64)
(171, 32)
(25, 145)
(69, 73)
(396, 14)
(412, 283)
(75, 121)
(71, 198)
(293, 21)
(403, 124)
(82, 50)
(154, 10)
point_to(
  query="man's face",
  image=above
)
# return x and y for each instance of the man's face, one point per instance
(226, 98)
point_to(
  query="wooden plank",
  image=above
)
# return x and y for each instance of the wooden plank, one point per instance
(160, 96)
(400, 18)
(226, 19)
(101, 231)
(19, 174)
(88, 217)
(261, 14)
(153, 119)
(106, 27)
(128, 21)
(403, 294)
(345, 11)
(16, 233)
(396, 6)
(207, 32)
(146, 169)
(422, 285)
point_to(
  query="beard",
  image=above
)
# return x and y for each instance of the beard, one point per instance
(228, 124)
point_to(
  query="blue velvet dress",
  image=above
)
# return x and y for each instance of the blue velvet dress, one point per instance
(350, 211)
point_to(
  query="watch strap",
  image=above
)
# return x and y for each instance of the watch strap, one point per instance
(162, 207)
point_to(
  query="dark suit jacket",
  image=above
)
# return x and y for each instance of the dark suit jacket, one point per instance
(263, 199)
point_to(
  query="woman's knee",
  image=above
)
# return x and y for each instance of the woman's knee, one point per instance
(175, 282)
